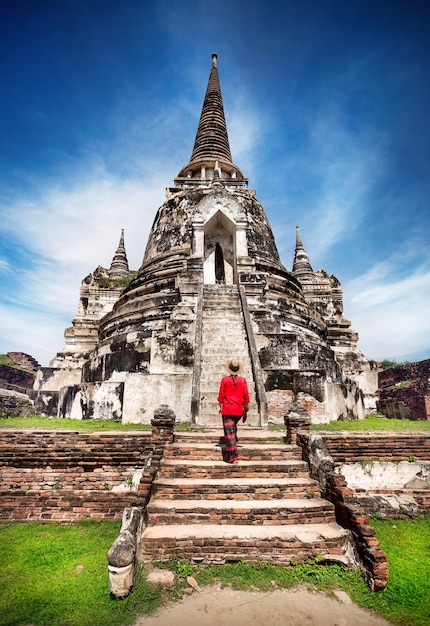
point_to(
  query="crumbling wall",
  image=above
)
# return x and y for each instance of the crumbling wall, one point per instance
(349, 512)
(404, 391)
(15, 379)
(65, 476)
(16, 385)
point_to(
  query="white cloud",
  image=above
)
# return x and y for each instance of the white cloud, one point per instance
(324, 185)
(346, 164)
(67, 233)
(5, 266)
(245, 128)
(39, 333)
(389, 312)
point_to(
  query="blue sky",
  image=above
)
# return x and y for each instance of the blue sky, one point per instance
(327, 107)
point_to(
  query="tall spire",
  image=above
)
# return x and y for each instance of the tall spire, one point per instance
(211, 150)
(119, 266)
(212, 138)
(302, 268)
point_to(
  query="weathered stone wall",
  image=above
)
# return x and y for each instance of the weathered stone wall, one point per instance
(47, 385)
(391, 490)
(404, 391)
(14, 403)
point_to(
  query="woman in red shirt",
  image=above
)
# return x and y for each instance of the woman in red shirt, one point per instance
(233, 398)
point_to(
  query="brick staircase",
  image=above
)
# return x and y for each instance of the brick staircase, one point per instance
(265, 508)
(223, 337)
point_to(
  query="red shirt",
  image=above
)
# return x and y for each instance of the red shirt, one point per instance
(233, 394)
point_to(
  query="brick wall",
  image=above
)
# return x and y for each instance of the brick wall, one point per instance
(404, 391)
(23, 360)
(15, 384)
(349, 514)
(13, 378)
(352, 448)
(66, 476)
(280, 401)
(323, 452)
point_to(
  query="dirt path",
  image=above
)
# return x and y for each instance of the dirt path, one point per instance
(214, 606)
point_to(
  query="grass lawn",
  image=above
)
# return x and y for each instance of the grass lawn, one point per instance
(54, 575)
(373, 422)
(39, 422)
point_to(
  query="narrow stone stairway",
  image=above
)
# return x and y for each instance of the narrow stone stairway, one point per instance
(265, 508)
(223, 338)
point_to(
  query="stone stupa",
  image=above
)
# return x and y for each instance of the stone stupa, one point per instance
(211, 287)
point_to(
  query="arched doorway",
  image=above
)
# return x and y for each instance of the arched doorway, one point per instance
(219, 251)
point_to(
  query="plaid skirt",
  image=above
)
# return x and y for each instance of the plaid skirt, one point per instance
(229, 423)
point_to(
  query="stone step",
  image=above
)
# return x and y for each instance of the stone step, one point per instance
(235, 488)
(220, 543)
(224, 337)
(216, 288)
(264, 508)
(229, 308)
(275, 512)
(180, 468)
(214, 358)
(229, 301)
(212, 436)
(208, 404)
(247, 451)
(211, 393)
(213, 298)
(211, 417)
(226, 328)
(212, 407)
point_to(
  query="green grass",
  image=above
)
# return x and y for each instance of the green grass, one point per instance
(372, 422)
(57, 575)
(407, 546)
(39, 582)
(39, 422)
(52, 575)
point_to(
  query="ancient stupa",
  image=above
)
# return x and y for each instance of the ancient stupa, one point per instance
(211, 287)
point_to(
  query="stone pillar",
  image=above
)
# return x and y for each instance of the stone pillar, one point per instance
(296, 420)
(163, 423)
(122, 553)
(199, 241)
(241, 240)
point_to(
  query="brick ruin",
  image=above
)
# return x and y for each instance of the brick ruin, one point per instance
(16, 384)
(67, 476)
(404, 391)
